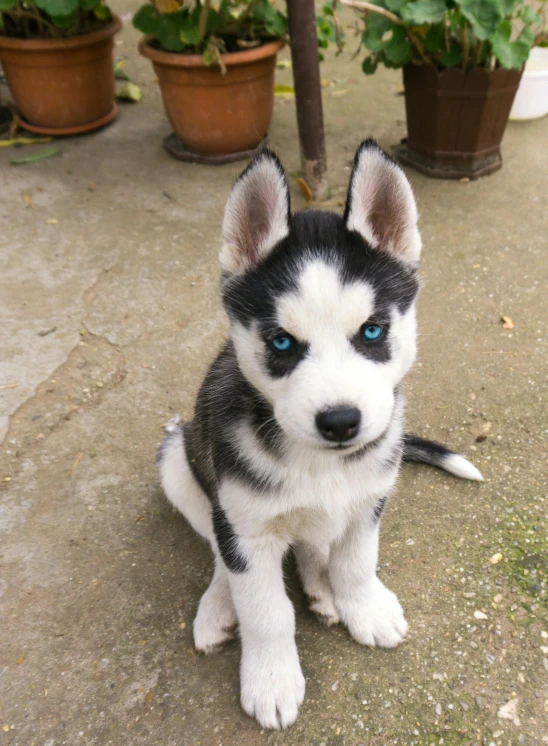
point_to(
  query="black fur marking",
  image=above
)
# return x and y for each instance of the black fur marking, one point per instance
(227, 541)
(230, 464)
(281, 364)
(204, 483)
(378, 510)
(380, 351)
(424, 451)
(313, 235)
(225, 399)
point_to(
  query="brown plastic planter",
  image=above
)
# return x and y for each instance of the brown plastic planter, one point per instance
(456, 119)
(215, 114)
(62, 86)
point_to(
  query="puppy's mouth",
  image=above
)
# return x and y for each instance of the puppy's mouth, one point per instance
(356, 447)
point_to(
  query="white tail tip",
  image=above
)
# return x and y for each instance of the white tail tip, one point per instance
(461, 467)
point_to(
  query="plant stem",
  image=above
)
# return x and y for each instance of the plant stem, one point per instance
(479, 49)
(465, 47)
(17, 14)
(203, 19)
(360, 5)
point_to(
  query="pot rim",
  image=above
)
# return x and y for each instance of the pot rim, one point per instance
(51, 45)
(177, 59)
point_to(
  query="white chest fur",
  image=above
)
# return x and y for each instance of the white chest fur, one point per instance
(314, 494)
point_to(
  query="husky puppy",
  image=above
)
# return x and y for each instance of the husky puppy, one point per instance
(298, 431)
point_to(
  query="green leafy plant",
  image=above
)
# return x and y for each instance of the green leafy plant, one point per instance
(212, 27)
(51, 19)
(449, 33)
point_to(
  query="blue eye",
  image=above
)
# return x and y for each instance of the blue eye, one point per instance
(282, 343)
(373, 332)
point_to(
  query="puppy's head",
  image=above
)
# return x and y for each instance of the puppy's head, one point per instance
(322, 308)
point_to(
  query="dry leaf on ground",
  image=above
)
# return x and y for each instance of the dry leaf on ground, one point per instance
(305, 189)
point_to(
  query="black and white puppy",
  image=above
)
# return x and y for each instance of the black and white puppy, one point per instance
(298, 431)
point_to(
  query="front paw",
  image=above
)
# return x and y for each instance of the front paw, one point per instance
(272, 687)
(375, 617)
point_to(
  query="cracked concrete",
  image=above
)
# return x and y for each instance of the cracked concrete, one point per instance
(100, 580)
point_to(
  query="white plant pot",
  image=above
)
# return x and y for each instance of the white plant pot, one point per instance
(531, 101)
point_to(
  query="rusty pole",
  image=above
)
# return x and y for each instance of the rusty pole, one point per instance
(308, 94)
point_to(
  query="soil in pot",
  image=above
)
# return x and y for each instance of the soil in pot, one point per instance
(62, 86)
(211, 113)
(456, 119)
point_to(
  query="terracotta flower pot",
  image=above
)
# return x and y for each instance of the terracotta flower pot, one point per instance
(62, 86)
(456, 119)
(215, 114)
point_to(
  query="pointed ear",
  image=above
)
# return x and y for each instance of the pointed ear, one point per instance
(380, 205)
(256, 214)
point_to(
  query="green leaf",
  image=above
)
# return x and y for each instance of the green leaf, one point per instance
(119, 72)
(168, 33)
(129, 92)
(395, 5)
(274, 23)
(64, 21)
(189, 33)
(507, 6)
(146, 19)
(102, 12)
(528, 16)
(483, 15)
(453, 57)
(424, 11)
(284, 90)
(376, 27)
(209, 57)
(89, 4)
(7, 4)
(434, 40)
(36, 156)
(369, 65)
(397, 51)
(166, 28)
(511, 54)
(58, 8)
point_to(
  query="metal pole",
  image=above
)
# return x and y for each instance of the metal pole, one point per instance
(308, 94)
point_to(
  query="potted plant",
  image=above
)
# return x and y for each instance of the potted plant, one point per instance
(462, 62)
(57, 57)
(215, 65)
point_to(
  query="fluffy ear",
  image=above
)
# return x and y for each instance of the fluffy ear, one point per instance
(256, 214)
(380, 204)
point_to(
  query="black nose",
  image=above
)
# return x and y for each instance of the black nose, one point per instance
(339, 423)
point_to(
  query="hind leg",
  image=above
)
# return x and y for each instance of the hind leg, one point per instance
(216, 617)
(314, 574)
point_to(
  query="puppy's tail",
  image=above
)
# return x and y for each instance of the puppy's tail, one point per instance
(429, 452)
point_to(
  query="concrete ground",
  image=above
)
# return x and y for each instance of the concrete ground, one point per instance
(110, 316)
